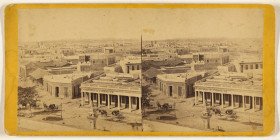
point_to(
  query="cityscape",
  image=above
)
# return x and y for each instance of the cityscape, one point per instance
(146, 83)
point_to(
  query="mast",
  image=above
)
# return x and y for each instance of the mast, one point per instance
(141, 42)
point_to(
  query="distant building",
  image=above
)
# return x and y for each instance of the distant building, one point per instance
(113, 91)
(230, 90)
(96, 61)
(176, 69)
(131, 65)
(73, 59)
(209, 60)
(159, 56)
(251, 66)
(65, 85)
(178, 85)
(37, 75)
(26, 68)
(227, 68)
(62, 70)
(150, 75)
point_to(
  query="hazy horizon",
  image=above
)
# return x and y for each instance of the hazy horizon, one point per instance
(37, 25)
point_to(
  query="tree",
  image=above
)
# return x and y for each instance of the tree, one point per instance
(27, 96)
(146, 91)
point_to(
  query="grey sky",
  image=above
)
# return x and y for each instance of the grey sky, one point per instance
(57, 24)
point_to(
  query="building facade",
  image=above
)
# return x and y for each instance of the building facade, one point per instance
(115, 91)
(209, 60)
(251, 66)
(64, 85)
(131, 65)
(230, 90)
(178, 85)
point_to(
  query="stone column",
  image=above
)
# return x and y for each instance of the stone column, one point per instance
(119, 102)
(98, 99)
(203, 98)
(90, 101)
(129, 103)
(140, 104)
(109, 101)
(249, 102)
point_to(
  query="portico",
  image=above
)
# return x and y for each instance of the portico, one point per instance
(111, 101)
(224, 100)
(243, 95)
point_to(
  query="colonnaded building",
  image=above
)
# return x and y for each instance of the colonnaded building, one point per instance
(230, 90)
(113, 91)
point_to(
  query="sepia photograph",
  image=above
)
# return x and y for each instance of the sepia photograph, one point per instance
(140, 69)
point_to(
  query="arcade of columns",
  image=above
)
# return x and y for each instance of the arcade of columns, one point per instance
(228, 100)
(111, 101)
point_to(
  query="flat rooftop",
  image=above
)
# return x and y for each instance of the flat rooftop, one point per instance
(179, 77)
(231, 82)
(64, 78)
(116, 80)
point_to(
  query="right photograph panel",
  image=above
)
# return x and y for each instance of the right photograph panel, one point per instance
(202, 70)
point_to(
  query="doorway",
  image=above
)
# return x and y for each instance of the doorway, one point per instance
(56, 91)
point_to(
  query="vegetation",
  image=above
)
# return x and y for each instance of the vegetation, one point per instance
(146, 92)
(27, 96)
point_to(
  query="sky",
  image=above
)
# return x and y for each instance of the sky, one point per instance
(153, 24)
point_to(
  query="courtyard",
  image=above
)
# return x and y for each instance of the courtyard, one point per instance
(184, 113)
(71, 116)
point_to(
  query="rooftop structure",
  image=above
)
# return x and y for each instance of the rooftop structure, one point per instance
(113, 91)
(66, 85)
(131, 65)
(231, 89)
(178, 85)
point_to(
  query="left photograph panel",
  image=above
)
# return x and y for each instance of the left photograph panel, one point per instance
(79, 70)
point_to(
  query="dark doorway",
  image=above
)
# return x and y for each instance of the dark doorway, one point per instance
(127, 69)
(170, 90)
(56, 91)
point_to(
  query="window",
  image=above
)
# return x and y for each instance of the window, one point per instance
(138, 68)
(257, 66)
(179, 90)
(246, 67)
(170, 91)
(251, 66)
(132, 67)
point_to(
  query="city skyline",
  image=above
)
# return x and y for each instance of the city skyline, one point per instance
(83, 24)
